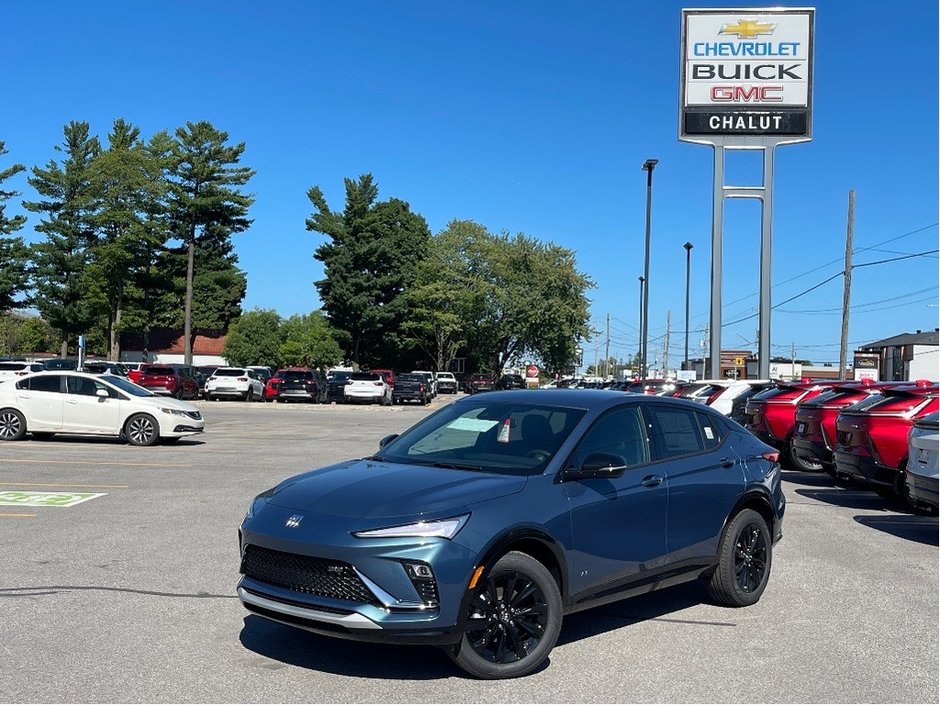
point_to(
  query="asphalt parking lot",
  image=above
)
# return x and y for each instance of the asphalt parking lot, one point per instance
(129, 596)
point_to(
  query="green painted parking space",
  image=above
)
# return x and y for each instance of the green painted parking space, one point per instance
(15, 498)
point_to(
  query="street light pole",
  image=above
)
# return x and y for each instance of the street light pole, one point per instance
(639, 352)
(688, 269)
(648, 167)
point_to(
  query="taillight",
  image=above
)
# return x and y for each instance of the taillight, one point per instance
(242, 379)
(349, 381)
(378, 384)
(420, 387)
(771, 455)
(24, 372)
(714, 395)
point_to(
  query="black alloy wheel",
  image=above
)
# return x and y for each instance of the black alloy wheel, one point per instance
(513, 622)
(12, 425)
(744, 561)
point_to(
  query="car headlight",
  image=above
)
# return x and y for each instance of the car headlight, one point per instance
(442, 528)
(173, 412)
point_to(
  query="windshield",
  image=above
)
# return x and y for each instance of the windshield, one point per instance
(499, 437)
(127, 386)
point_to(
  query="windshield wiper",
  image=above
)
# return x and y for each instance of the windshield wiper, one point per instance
(454, 466)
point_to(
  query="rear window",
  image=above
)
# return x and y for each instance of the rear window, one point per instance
(293, 375)
(364, 376)
(158, 371)
(892, 403)
(339, 376)
(229, 372)
(481, 378)
(14, 366)
(408, 377)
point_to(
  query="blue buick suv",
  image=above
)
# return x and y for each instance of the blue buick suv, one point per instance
(484, 524)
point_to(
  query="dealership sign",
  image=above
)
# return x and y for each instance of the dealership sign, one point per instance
(747, 73)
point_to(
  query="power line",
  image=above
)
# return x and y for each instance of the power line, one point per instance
(896, 259)
(858, 306)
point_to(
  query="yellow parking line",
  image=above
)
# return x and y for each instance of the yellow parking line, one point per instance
(19, 516)
(59, 484)
(87, 462)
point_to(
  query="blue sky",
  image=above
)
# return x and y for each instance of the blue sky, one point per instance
(528, 117)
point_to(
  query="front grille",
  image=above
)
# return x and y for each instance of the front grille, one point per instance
(312, 576)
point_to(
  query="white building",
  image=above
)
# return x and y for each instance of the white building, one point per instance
(908, 356)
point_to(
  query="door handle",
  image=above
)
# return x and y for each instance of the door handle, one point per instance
(728, 462)
(651, 481)
(71, 402)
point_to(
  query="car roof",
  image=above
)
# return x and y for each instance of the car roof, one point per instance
(580, 398)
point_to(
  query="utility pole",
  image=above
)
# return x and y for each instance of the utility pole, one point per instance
(666, 345)
(607, 350)
(793, 360)
(847, 287)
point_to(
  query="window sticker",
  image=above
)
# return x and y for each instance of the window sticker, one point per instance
(503, 436)
(467, 424)
(709, 434)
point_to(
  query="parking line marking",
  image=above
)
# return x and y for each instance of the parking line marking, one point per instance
(59, 484)
(19, 516)
(86, 462)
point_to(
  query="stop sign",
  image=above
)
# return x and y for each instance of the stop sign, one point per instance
(531, 371)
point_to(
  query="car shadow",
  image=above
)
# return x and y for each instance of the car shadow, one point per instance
(912, 528)
(854, 499)
(338, 656)
(105, 440)
(813, 479)
(296, 647)
(648, 607)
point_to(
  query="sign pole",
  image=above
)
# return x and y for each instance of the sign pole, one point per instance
(763, 342)
(718, 211)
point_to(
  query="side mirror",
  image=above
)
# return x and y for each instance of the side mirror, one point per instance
(599, 465)
(102, 394)
(388, 439)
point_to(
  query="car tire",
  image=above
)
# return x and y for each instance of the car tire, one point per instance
(799, 463)
(12, 425)
(141, 430)
(499, 628)
(42, 435)
(744, 561)
(250, 394)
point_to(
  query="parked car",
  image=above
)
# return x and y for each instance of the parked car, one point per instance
(336, 385)
(871, 436)
(262, 372)
(411, 387)
(46, 403)
(234, 383)
(388, 375)
(14, 370)
(482, 526)
(166, 380)
(480, 382)
(656, 387)
(771, 416)
(723, 395)
(369, 387)
(61, 363)
(922, 473)
(105, 367)
(301, 384)
(702, 391)
(510, 381)
(133, 370)
(814, 435)
(431, 380)
(271, 385)
(738, 411)
(446, 383)
(203, 373)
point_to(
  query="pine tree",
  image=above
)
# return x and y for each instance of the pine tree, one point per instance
(14, 255)
(205, 202)
(60, 262)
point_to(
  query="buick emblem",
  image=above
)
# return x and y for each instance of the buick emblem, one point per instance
(294, 521)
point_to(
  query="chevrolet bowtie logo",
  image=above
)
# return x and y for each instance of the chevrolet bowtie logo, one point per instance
(748, 29)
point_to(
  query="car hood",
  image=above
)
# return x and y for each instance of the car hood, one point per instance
(368, 489)
(167, 403)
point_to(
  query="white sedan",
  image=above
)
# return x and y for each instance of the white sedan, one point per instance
(922, 463)
(47, 403)
(369, 387)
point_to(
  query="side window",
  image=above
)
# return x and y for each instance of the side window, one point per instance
(677, 431)
(620, 432)
(712, 430)
(46, 383)
(81, 385)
